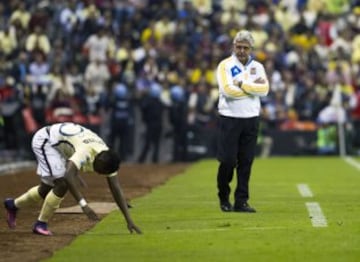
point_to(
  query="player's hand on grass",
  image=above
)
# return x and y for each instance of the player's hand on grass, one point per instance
(132, 227)
(90, 213)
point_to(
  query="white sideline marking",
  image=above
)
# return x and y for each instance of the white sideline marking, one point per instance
(352, 162)
(316, 215)
(218, 229)
(304, 190)
(8, 168)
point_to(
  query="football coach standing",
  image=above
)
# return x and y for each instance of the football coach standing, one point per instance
(242, 81)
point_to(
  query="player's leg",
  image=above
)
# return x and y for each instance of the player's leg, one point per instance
(32, 196)
(51, 169)
(12, 205)
(52, 202)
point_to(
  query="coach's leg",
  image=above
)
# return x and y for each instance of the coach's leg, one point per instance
(224, 177)
(246, 157)
(226, 155)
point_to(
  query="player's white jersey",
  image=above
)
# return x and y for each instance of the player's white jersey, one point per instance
(76, 143)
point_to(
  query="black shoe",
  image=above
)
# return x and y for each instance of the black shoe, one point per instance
(226, 206)
(243, 207)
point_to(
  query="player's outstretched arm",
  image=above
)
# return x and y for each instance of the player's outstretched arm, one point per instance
(118, 196)
(71, 179)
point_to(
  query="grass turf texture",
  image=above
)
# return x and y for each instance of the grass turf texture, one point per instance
(181, 220)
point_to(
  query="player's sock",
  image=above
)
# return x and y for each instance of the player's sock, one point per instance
(32, 196)
(51, 203)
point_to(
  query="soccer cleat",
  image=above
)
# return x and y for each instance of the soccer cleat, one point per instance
(243, 207)
(40, 228)
(11, 211)
(226, 206)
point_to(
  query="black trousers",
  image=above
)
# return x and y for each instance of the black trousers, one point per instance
(237, 139)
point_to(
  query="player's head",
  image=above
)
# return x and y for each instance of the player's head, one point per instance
(106, 162)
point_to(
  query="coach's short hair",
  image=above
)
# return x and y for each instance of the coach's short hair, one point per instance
(106, 162)
(244, 35)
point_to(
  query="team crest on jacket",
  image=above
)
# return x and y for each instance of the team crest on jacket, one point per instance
(253, 71)
(235, 71)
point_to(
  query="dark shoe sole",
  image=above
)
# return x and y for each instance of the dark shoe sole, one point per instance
(227, 207)
(245, 210)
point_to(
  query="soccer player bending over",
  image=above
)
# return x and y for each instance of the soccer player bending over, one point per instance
(62, 150)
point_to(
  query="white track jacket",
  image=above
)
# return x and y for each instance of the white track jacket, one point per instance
(241, 102)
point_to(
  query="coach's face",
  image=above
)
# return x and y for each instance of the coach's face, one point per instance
(242, 50)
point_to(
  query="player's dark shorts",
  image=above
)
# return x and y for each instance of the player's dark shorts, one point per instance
(237, 139)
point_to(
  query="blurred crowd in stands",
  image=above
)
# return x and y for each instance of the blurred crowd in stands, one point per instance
(98, 62)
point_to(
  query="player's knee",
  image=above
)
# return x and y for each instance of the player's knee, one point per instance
(60, 187)
(44, 189)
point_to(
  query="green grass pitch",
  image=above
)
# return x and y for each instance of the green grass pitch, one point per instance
(181, 220)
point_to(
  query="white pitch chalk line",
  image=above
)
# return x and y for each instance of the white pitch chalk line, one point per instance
(13, 167)
(304, 190)
(316, 215)
(219, 229)
(188, 230)
(352, 162)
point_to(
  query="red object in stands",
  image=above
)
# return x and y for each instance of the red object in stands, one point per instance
(31, 126)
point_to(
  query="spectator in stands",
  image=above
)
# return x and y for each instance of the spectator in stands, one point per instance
(8, 42)
(11, 106)
(77, 80)
(68, 18)
(178, 121)
(38, 41)
(39, 70)
(61, 107)
(99, 45)
(201, 117)
(326, 141)
(60, 80)
(20, 70)
(301, 36)
(21, 14)
(121, 109)
(96, 76)
(39, 103)
(152, 109)
(58, 55)
(41, 16)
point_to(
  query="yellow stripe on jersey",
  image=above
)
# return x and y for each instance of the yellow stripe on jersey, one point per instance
(256, 89)
(231, 92)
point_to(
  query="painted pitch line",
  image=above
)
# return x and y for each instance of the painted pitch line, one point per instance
(316, 215)
(186, 230)
(352, 162)
(304, 190)
(8, 168)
